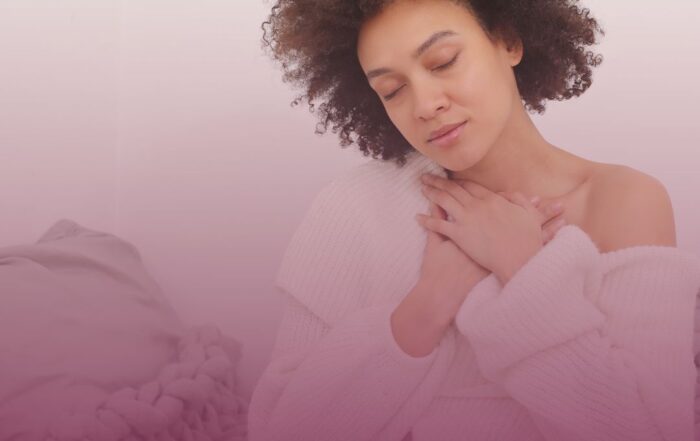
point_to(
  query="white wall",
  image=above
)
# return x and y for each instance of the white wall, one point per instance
(163, 122)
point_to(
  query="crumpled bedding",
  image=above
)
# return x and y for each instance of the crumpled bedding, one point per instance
(193, 398)
(90, 348)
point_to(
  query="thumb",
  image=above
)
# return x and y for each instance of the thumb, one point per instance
(433, 237)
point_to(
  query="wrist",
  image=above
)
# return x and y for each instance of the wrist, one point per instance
(442, 301)
(512, 266)
(417, 328)
(427, 298)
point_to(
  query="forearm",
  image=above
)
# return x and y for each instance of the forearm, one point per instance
(592, 354)
(417, 325)
(420, 321)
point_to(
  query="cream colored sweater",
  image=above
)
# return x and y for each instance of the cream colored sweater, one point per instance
(578, 345)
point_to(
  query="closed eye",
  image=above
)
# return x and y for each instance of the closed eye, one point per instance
(438, 68)
(448, 64)
(392, 94)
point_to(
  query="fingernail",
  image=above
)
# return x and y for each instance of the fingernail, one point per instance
(534, 199)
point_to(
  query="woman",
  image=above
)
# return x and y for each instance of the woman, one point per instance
(487, 319)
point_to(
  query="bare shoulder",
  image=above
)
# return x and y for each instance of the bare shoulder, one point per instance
(627, 207)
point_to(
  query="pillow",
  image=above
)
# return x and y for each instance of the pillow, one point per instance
(91, 349)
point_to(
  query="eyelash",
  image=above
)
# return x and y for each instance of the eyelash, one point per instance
(439, 68)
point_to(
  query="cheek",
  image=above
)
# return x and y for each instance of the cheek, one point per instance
(491, 94)
(472, 87)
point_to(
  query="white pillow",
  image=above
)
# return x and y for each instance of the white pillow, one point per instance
(90, 347)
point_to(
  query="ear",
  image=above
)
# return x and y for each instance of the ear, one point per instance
(515, 51)
(512, 46)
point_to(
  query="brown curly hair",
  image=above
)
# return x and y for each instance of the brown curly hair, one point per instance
(316, 43)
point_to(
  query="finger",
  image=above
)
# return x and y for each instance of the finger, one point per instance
(532, 205)
(520, 199)
(449, 186)
(549, 222)
(436, 225)
(445, 200)
(552, 228)
(433, 239)
(507, 196)
(535, 200)
(551, 210)
(437, 213)
(476, 190)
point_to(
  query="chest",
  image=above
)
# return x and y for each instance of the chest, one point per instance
(579, 210)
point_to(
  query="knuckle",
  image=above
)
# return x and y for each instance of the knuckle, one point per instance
(552, 216)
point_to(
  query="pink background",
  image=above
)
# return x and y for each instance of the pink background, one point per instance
(164, 123)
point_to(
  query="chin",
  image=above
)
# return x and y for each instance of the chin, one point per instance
(456, 159)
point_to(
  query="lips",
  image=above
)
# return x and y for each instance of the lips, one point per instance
(443, 130)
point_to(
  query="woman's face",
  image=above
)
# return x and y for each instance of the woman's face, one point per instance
(434, 67)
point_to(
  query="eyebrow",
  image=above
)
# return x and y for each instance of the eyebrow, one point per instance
(417, 53)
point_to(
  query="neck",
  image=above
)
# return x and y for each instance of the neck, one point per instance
(520, 160)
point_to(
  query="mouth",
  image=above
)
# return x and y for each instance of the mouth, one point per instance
(447, 134)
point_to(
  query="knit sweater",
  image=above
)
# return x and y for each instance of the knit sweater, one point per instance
(578, 345)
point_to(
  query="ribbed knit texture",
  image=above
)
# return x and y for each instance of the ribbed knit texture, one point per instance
(579, 345)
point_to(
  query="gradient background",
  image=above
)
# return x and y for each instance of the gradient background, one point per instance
(163, 122)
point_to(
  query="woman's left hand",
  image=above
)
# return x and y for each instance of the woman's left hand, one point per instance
(498, 234)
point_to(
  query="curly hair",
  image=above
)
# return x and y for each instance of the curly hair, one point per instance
(315, 41)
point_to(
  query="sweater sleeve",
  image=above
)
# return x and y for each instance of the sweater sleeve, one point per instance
(336, 372)
(592, 353)
(347, 382)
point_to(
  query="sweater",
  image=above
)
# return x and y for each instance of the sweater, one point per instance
(578, 345)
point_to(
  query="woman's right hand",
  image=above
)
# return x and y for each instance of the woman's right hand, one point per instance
(448, 274)
(551, 213)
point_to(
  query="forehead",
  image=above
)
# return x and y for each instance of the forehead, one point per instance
(403, 25)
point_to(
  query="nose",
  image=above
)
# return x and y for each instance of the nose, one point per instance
(430, 100)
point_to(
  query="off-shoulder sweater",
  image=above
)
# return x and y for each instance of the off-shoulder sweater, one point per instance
(578, 345)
